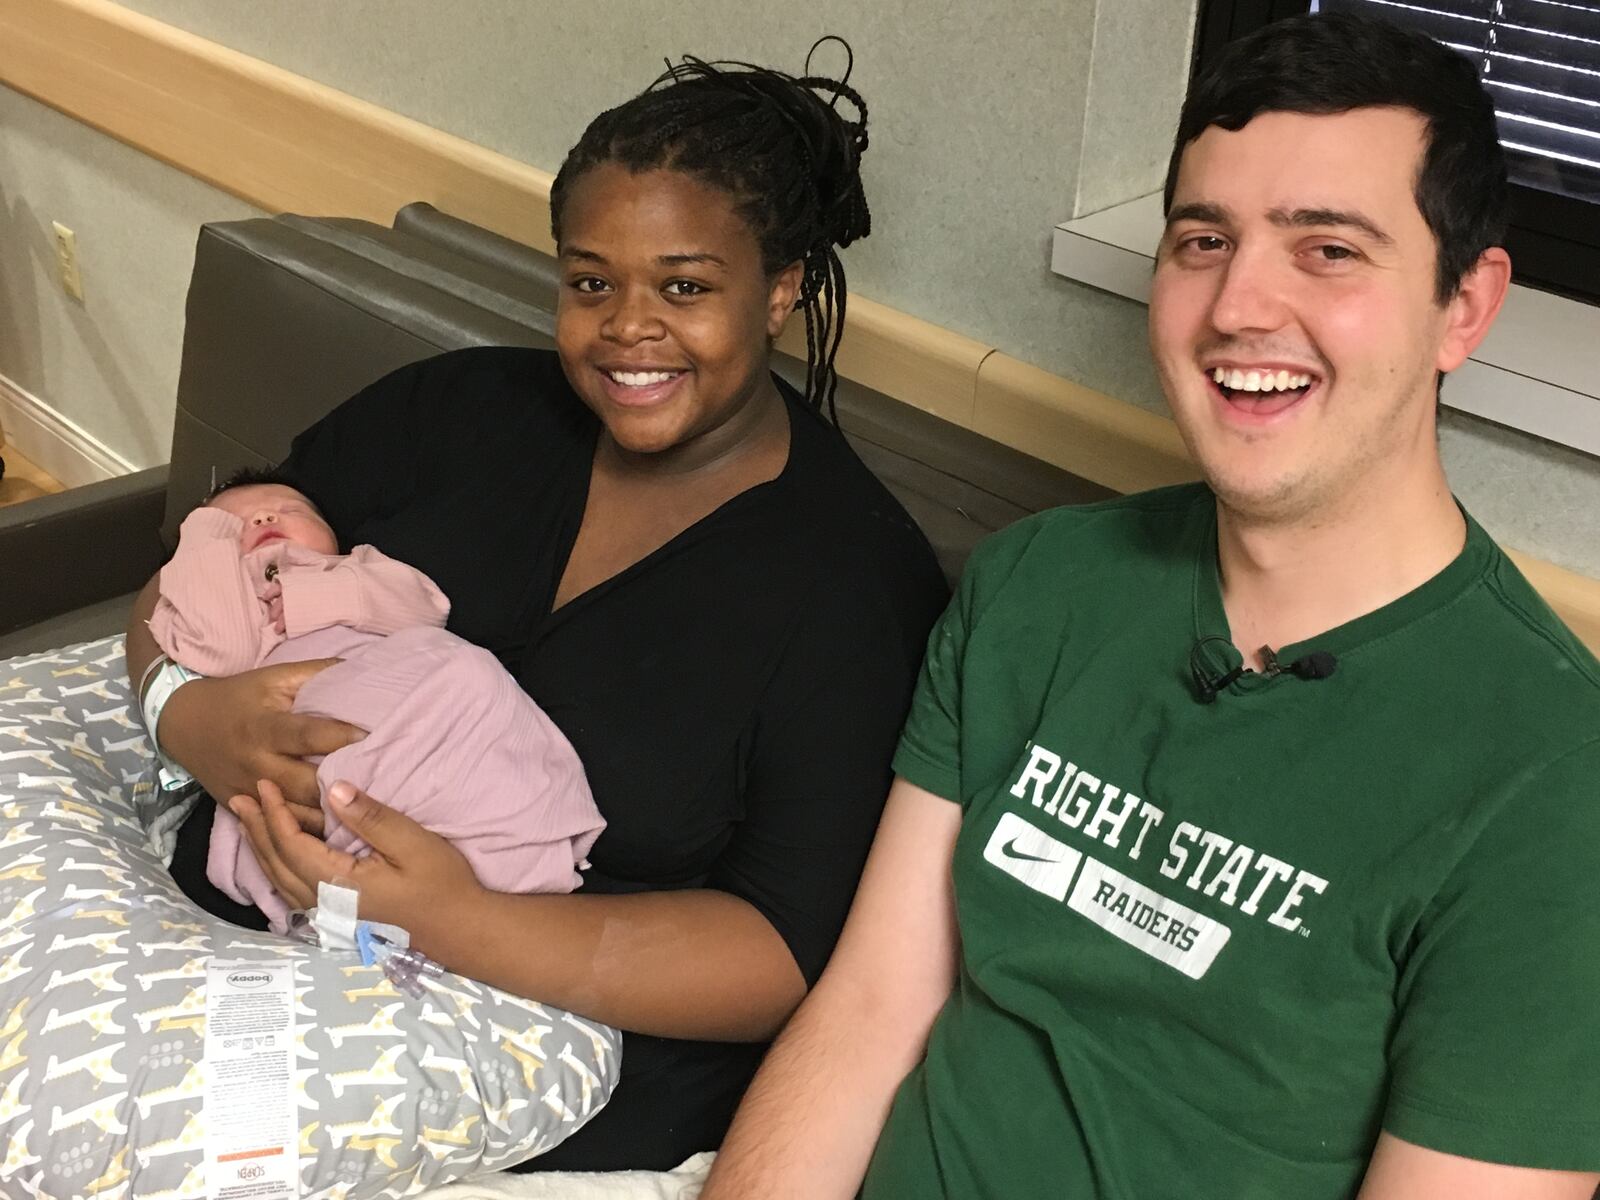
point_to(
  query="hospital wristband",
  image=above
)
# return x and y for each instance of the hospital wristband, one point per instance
(161, 679)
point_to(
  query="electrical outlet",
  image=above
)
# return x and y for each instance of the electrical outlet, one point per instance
(67, 260)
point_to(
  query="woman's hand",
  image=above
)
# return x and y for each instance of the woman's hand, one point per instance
(694, 963)
(231, 732)
(411, 878)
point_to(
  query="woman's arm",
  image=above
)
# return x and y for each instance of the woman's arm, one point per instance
(228, 733)
(698, 964)
(140, 644)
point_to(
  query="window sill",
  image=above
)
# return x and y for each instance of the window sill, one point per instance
(1538, 370)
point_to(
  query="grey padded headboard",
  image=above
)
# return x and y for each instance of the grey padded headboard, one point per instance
(290, 315)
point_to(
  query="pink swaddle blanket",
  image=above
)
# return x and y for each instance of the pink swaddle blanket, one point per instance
(454, 743)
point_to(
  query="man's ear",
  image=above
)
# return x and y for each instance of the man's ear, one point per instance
(1470, 312)
(782, 295)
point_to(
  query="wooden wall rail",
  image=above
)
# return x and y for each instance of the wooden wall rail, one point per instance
(270, 137)
(288, 144)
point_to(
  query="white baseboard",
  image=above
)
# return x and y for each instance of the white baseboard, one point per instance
(56, 445)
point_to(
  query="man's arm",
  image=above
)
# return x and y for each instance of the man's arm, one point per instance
(1403, 1171)
(809, 1123)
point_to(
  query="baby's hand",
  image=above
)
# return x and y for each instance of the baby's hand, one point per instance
(273, 595)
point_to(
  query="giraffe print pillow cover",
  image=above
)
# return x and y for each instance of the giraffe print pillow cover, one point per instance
(104, 1078)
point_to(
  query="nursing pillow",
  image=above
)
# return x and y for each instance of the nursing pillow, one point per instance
(110, 1087)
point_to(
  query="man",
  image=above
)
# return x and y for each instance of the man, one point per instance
(1245, 837)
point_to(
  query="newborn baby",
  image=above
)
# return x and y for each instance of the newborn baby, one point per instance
(452, 741)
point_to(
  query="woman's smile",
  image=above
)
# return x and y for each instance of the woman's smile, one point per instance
(642, 387)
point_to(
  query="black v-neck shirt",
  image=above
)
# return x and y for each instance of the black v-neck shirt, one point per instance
(735, 696)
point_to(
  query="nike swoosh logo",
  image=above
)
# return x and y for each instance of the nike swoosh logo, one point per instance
(1046, 866)
(1010, 851)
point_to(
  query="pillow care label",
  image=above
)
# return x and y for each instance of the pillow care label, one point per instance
(252, 1146)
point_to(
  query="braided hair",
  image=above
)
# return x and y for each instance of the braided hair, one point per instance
(779, 147)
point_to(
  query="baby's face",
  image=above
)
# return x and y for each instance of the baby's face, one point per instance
(271, 511)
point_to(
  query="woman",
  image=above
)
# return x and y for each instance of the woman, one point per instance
(680, 561)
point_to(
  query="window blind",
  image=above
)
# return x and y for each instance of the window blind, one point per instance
(1540, 60)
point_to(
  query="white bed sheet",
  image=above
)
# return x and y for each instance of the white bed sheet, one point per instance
(684, 1183)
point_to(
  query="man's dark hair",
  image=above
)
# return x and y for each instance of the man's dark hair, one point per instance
(1335, 62)
(778, 146)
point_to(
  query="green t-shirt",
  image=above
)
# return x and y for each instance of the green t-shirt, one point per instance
(1210, 950)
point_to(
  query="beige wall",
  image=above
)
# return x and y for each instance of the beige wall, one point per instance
(977, 121)
(989, 125)
(110, 363)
